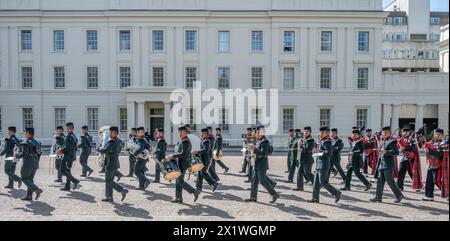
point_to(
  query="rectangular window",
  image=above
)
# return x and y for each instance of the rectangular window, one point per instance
(288, 119)
(125, 77)
(224, 41)
(191, 76)
(59, 77)
(257, 78)
(27, 115)
(326, 41)
(191, 40)
(363, 41)
(92, 40)
(58, 41)
(363, 78)
(325, 117)
(92, 77)
(123, 119)
(435, 21)
(361, 118)
(26, 40)
(92, 118)
(224, 78)
(288, 78)
(257, 41)
(288, 41)
(158, 40)
(192, 120)
(224, 120)
(325, 78)
(125, 40)
(158, 76)
(256, 117)
(60, 116)
(27, 77)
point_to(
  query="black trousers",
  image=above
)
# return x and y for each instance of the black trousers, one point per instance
(10, 170)
(321, 179)
(304, 171)
(110, 184)
(58, 169)
(66, 171)
(292, 167)
(157, 171)
(132, 163)
(245, 164)
(84, 157)
(181, 184)
(139, 171)
(212, 170)
(260, 177)
(358, 174)
(27, 174)
(385, 175)
(203, 174)
(337, 164)
(405, 167)
(221, 164)
(432, 180)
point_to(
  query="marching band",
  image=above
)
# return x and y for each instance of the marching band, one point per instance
(200, 154)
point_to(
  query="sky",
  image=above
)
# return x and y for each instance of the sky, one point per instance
(436, 5)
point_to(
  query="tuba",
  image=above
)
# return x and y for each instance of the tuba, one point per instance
(103, 137)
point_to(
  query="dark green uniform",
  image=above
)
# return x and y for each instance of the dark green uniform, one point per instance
(69, 149)
(338, 145)
(131, 158)
(292, 157)
(386, 169)
(160, 153)
(355, 165)
(262, 151)
(139, 167)
(10, 165)
(86, 149)
(30, 152)
(59, 141)
(212, 168)
(204, 154)
(183, 156)
(111, 150)
(323, 167)
(306, 162)
(218, 146)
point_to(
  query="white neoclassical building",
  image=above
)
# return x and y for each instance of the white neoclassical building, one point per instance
(115, 62)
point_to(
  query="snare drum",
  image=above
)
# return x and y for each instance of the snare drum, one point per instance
(197, 164)
(171, 170)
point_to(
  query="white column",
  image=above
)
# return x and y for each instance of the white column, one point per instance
(419, 115)
(141, 114)
(131, 115)
(167, 123)
(395, 116)
(387, 114)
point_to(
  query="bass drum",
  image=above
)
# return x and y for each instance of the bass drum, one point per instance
(171, 170)
(197, 164)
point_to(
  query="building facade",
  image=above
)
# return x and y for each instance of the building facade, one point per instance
(443, 49)
(117, 62)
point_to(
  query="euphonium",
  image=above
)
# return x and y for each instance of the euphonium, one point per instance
(133, 147)
(103, 137)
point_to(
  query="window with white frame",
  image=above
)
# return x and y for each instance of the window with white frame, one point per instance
(288, 78)
(257, 41)
(123, 119)
(27, 77)
(224, 41)
(257, 77)
(158, 76)
(326, 41)
(256, 116)
(125, 77)
(92, 118)
(435, 21)
(192, 119)
(224, 78)
(224, 120)
(363, 41)
(92, 77)
(325, 77)
(27, 116)
(361, 117)
(59, 75)
(191, 40)
(158, 40)
(26, 40)
(288, 119)
(60, 116)
(91, 40)
(288, 41)
(325, 117)
(190, 76)
(124, 40)
(58, 41)
(363, 78)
